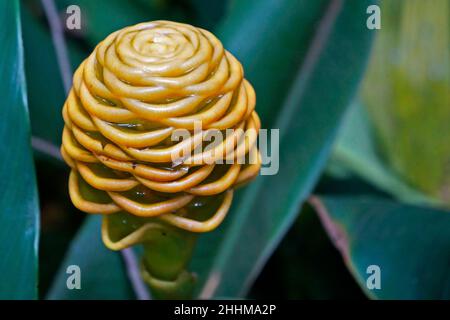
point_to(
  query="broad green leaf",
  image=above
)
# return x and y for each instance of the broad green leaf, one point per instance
(19, 210)
(270, 38)
(356, 152)
(410, 245)
(103, 274)
(305, 60)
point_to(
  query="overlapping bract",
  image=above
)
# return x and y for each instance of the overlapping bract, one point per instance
(129, 96)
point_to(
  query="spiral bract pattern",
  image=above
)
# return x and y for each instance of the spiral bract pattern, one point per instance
(138, 88)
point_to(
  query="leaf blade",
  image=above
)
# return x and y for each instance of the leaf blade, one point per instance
(403, 240)
(103, 274)
(309, 121)
(19, 214)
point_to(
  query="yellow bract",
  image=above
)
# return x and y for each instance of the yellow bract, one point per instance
(129, 96)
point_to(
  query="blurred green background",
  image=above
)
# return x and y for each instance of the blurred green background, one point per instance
(364, 127)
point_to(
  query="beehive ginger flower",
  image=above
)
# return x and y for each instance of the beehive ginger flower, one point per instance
(137, 88)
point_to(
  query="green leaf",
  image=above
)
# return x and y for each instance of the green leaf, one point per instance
(355, 151)
(19, 213)
(103, 275)
(305, 67)
(271, 38)
(410, 244)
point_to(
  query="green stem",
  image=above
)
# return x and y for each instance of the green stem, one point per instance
(166, 255)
